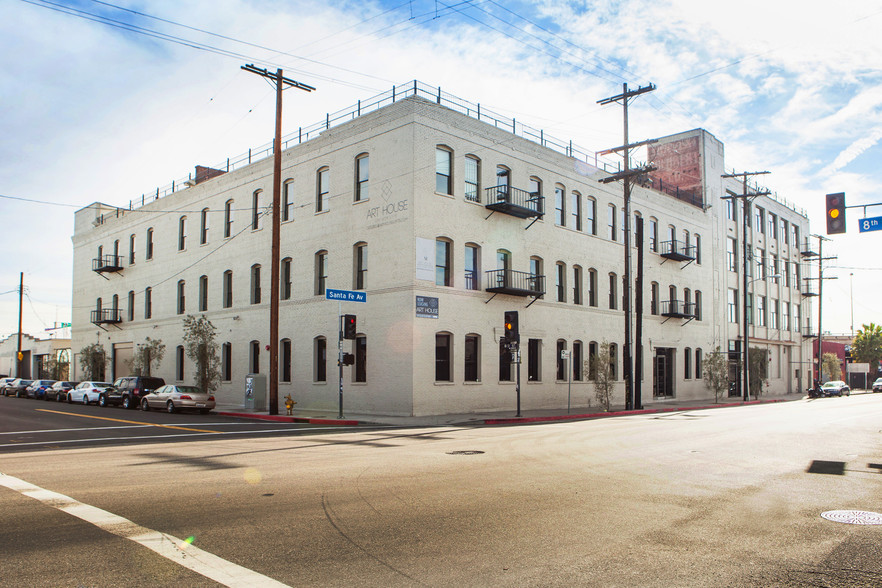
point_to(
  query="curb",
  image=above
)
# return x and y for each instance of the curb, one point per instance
(290, 419)
(595, 415)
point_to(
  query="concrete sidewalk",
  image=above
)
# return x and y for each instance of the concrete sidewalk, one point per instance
(502, 417)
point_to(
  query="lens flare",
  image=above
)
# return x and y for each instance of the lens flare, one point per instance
(252, 476)
(188, 541)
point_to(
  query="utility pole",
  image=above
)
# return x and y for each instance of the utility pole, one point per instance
(280, 82)
(626, 174)
(746, 266)
(18, 355)
(821, 259)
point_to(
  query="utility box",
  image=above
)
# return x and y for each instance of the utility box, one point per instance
(255, 392)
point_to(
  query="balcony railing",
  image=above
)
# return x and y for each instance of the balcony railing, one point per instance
(808, 288)
(515, 201)
(807, 249)
(677, 250)
(809, 333)
(107, 263)
(677, 309)
(106, 315)
(472, 280)
(515, 283)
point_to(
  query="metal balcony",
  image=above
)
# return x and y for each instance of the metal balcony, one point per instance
(677, 309)
(515, 283)
(807, 249)
(808, 288)
(677, 250)
(106, 315)
(515, 202)
(107, 263)
(808, 333)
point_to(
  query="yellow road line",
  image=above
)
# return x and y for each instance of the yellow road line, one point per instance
(88, 416)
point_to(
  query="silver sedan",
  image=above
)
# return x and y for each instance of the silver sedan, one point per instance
(173, 398)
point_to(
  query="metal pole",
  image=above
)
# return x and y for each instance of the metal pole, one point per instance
(820, 305)
(18, 354)
(746, 265)
(340, 359)
(517, 358)
(570, 383)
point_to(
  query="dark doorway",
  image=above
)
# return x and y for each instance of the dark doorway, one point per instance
(663, 372)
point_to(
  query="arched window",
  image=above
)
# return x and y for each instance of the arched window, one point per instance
(537, 273)
(613, 288)
(182, 303)
(179, 363)
(227, 362)
(472, 358)
(131, 249)
(687, 363)
(285, 360)
(472, 178)
(203, 228)
(228, 219)
(653, 234)
(320, 359)
(697, 310)
(611, 222)
(472, 266)
(560, 205)
(592, 360)
(254, 357)
(228, 289)
(561, 374)
(360, 266)
(591, 216)
(613, 362)
(321, 272)
(535, 186)
(560, 281)
(203, 293)
(362, 177)
(149, 244)
(653, 298)
(698, 366)
(576, 361)
(255, 283)
(182, 233)
(443, 170)
(577, 284)
(322, 188)
(287, 200)
(255, 210)
(443, 262)
(576, 209)
(592, 287)
(443, 356)
(285, 279)
(503, 179)
(131, 308)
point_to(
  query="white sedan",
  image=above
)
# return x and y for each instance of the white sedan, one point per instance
(173, 398)
(88, 392)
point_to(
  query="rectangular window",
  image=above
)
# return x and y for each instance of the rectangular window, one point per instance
(285, 361)
(730, 206)
(785, 315)
(773, 313)
(179, 363)
(577, 361)
(534, 360)
(226, 362)
(322, 189)
(796, 325)
(653, 298)
(653, 235)
(732, 305)
(472, 280)
(287, 200)
(472, 179)
(362, 175)
(255, 284)
(472, 372)
(613, 297)
(443, 176)
(773, 226)
(749, 310)
(560, 212)
(361, 358)
(148, 303)
(732, 254)
(203, 293)
(577, 285)
(785, 231)
(360, 267)
(760, 224)
(442, 357)
(149, 244)
(131, 309)
(442, 263)
(760, 264)
(255, 357)
(761, 311)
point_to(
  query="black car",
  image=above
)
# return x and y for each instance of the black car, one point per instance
(18, 388)
(129, 390)
(59, 391)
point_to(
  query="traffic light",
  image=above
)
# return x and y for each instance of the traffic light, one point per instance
(835, 213)
(349, 326)
(511, 326)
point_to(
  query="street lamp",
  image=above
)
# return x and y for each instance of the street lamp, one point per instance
(746, 351)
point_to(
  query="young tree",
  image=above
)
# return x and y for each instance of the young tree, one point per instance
(759, 370)
(867, 345)
(716, 372)
(58, 368)
(148, 353)
(199, 335)
(93, 360)
(830, 367)
(604, 385)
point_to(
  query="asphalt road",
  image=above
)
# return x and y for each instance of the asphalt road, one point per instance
(32, 425)
(724, 497)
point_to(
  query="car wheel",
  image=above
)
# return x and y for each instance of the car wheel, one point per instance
(60, 397)
(170, 406)
(126, 402)
(86, 399)
(69, 398)
(102, 401)
(145, 406)
(18, 394)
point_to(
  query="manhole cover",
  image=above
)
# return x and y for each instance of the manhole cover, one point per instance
(853, 517)
(465, 452)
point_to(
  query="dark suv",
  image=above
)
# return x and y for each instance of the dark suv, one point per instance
(128, 391)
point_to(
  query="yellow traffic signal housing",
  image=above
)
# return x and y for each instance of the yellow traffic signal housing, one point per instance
(835, 213)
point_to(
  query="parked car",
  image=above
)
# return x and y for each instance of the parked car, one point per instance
(17, 388)
(3, 383)
(129, 390)
(835, 388)
(37, 389)
(88, 392)
(59, 391)
(173, 398)
(877, 385)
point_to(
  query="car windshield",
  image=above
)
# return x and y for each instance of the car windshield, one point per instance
(831, 385)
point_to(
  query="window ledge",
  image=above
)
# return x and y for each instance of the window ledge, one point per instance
(444, 383)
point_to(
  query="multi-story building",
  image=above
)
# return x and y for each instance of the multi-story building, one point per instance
(463, 215)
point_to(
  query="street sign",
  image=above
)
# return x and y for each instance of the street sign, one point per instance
(870, 224)
(345, 295)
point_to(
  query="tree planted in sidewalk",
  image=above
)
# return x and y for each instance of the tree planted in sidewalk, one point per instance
(202, 349)
(600, 365)
(146, 355)
(716, 372)
(830, 367)
(867, 345)
(92, 360)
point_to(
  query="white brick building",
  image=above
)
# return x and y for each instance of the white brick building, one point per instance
(414, 187)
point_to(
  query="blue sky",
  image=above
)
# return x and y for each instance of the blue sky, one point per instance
(94, 112)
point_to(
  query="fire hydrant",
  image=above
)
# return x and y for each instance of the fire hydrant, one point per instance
(289, 404)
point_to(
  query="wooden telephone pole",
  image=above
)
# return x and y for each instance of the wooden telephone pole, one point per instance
(281, 82)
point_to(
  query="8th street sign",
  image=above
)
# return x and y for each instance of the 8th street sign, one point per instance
(871, 224)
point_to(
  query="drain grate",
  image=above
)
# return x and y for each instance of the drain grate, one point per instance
(853, 517)
(465, 452)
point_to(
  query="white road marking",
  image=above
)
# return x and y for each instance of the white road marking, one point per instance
(168, 546)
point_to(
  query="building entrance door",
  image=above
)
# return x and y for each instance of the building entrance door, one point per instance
(663, 373)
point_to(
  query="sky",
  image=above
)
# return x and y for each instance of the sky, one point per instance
(106, 101)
